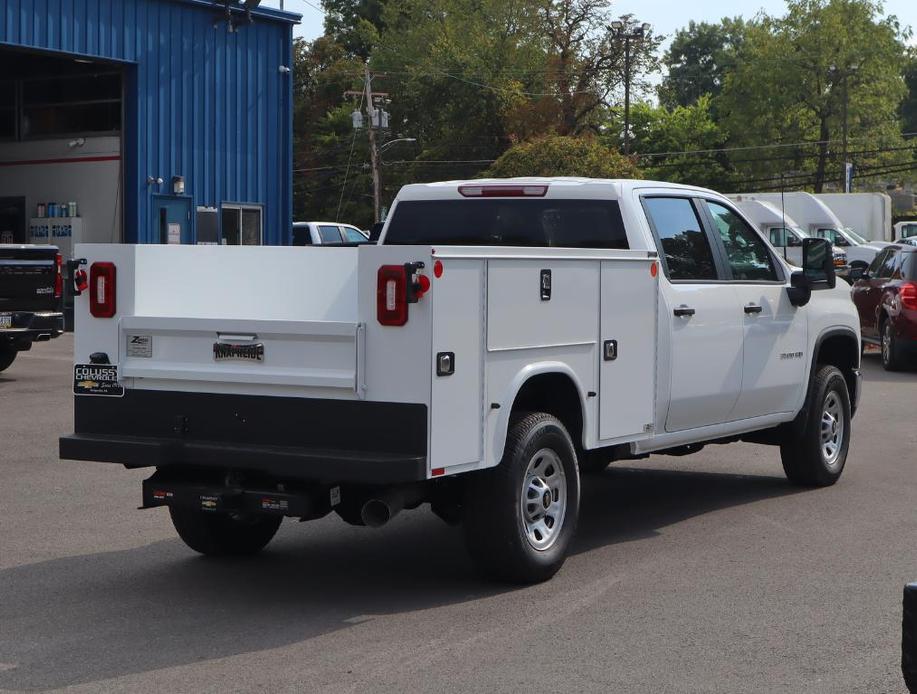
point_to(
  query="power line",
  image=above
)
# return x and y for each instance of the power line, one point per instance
(349, 159)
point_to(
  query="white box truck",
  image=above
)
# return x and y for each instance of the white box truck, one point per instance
(503, 337)
(868, 214)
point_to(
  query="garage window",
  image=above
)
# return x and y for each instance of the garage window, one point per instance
(242, 225)
(7, 110)
(71, 105)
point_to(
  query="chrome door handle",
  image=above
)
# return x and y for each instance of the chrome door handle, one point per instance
(684, 311)
(752, 308)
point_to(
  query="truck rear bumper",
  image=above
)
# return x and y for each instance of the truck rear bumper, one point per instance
(27, 328)
(278, 461)
(327, 441)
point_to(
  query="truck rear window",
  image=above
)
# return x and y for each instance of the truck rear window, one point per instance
(535, 223)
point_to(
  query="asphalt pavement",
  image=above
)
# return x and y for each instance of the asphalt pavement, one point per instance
(707, 573)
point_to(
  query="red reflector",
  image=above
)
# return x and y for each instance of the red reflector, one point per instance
(437, 471)
(654, 270)
(909, 295)
(59, 277)
(438, 268)
(102, 290)
(392, 295)
(503, 191)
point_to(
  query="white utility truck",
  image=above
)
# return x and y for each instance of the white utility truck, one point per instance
(503, 337)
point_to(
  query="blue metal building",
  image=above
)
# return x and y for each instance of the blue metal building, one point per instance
(205, 153)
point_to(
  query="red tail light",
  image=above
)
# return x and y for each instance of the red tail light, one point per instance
(392, 295)
(59, 276)
(102, 290)
(909, 295)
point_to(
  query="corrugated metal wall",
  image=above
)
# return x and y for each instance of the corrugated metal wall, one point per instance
(200, 102)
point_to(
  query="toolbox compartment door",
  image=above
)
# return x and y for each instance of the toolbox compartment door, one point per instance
(627, 369)
(457, 424)
(304, 354)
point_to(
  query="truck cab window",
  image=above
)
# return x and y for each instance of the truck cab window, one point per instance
(685, 246)
(538, 223)
(329, 234)
(748, 257)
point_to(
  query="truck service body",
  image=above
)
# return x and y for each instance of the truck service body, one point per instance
(503, 335)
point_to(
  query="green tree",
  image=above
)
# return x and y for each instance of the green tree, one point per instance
(354, 24)
(681, 145)
(826, 68)
(698, 60)
(909, 105)
(556, 155)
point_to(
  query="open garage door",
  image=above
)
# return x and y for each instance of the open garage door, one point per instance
(61, 120)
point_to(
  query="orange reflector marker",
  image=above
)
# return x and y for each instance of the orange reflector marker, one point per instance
(437, 471)
(654, 270)
(438, 268)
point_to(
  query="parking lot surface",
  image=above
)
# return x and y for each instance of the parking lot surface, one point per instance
(707, 573)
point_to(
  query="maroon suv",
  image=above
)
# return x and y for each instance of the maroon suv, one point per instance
(885, 295)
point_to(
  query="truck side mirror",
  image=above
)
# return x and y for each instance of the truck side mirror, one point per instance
(818, 263)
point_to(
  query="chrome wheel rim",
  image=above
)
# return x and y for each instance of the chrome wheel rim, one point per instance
(544, 499)
(832, 429)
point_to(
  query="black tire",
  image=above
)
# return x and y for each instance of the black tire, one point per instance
(804, 453)
(493, 520)
(892, 357)
(221, 534)
(7, 357)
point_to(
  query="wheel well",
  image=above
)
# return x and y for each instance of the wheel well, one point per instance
(843, 352)
(556, 394)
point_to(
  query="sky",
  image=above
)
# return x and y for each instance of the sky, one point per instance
(666, 16)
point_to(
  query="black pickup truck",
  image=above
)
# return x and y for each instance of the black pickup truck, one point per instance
(31, 297)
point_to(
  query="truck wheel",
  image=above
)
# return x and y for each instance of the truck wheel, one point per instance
(817, 455)
(7, 357)
(520, 516)
(891, 350)
(222, 534)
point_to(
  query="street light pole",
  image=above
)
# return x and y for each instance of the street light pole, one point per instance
(628, 33)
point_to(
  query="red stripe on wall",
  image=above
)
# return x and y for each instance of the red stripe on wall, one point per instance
(71, 160)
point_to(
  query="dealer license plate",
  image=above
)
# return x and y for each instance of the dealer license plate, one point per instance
(6, 320)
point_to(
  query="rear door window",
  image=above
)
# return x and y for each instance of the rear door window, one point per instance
(505, 222)
(684, 243)
(329, 234)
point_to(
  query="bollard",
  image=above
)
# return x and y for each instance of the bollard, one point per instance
(909, 638)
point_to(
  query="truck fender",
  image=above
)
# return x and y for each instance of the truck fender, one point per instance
(501, 426)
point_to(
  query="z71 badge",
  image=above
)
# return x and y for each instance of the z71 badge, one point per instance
(97, 379)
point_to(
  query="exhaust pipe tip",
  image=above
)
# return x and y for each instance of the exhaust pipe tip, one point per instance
(376, 513)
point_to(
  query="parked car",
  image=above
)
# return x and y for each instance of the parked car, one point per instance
(327, 234)
(885, 295)
(31, 298)
(502, 337)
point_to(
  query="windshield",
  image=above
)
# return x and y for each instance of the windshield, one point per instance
(855, 236)
(908, 230)
(508, 222)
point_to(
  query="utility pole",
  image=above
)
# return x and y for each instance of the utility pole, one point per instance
(627, 33)
(373, 152)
